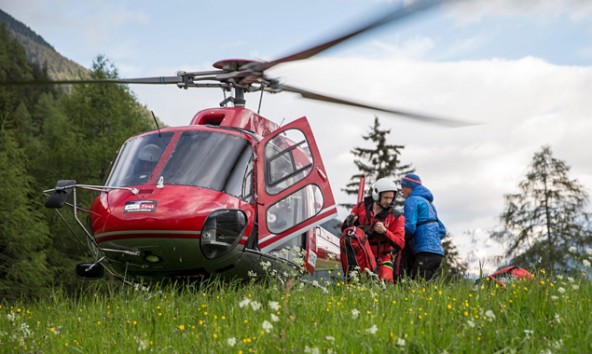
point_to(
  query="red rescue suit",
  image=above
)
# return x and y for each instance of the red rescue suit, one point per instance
(382, 245)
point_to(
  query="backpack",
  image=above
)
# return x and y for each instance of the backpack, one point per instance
(356, 254)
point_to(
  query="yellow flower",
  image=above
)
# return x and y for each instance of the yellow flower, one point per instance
(181, 327)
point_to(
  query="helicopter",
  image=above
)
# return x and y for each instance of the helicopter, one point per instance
(231, 195)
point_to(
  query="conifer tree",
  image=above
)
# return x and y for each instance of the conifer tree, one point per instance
(382, 160)
(547, 217)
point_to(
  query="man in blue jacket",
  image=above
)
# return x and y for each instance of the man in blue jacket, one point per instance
(423, 229)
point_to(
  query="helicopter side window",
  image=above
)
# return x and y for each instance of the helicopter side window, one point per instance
(211, 160)
(295, 208)
(137, 159)
(287, 160)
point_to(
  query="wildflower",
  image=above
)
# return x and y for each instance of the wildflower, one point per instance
(181, 327)
(490, 315)
(274, 305)
(313, 350)
(355, 313)
(572, 249)
(265, 265)
(11, 317)
(244, 302)
(252, 274)
(471, 324)
(586, 263)
(231, 341)
(372, 330)
(575, 287)
(330, 338)
(528, 333)
(274, 318)
(561, 290)
(400, 342)
(557, 318)
(255, 305)
(267, 326)
(589, 251)
(142, 345)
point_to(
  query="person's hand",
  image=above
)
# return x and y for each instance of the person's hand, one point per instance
(380, 228)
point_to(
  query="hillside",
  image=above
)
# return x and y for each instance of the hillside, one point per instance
(40, 52)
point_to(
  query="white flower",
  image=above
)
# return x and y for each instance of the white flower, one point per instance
(570, 279)
(313, 350)
(143, 344)
(586, 263)
(265, 265)
(267, 326)
(557, 318)
(355, 313)
(575, 287)
(400, 342)
(274, 305)
(330, 338)
(244, 302)
(589, 251)
(231, 341)
(252, 274)
(372, 330)
(528, 333)
(274, 317)
(471, 324)
(490, 315)
(561, 290)
(554, 297)
(572, 249)
(11, 317)
(255, 305)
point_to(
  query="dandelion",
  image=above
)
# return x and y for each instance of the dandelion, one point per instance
(231, 341)
(355, 313)
(586, 263)
(244, 302)
(181, 327)
(372, 330)
(400, 342)
(267, 326)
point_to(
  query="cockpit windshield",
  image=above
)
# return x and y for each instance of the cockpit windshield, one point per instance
(213, 160)
(137, 159)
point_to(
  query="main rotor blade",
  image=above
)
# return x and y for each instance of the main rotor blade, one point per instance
(398, 14)
(403, 113)
(182, 78)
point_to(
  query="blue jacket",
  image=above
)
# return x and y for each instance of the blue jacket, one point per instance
(423, 229)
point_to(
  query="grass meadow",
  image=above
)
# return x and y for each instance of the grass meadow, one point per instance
(547, 314)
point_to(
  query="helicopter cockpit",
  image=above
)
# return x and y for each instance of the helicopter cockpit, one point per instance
(206, 159)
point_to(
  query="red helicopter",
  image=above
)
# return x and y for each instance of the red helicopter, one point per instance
(232, 194)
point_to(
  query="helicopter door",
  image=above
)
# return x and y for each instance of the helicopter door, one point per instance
(293, 191)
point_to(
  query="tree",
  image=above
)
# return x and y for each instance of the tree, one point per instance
(23, 234)
(547, 217)
(384, 160)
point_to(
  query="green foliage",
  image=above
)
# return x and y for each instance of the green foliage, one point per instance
(384, 160)
(23, 235)
(548, 314)
(452, 266)
(547, 217)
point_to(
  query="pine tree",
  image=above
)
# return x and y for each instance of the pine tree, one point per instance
(384, 160)
(547, 217)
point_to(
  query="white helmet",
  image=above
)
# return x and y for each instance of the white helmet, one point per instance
(383, 185)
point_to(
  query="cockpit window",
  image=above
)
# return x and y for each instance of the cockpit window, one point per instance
(212, 160)
(137, 159)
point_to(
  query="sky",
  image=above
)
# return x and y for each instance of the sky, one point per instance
(521, 69)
